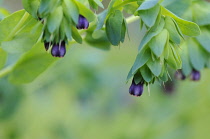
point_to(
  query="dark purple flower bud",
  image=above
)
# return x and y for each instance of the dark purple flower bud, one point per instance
(41, 19)
(136, 89)
(58, 50)
(82, 23)
(169, 87)
(46, 45)
(195, 75)
(179, 75)
(62, 49)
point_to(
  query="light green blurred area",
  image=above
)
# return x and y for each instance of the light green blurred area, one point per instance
(85, 96)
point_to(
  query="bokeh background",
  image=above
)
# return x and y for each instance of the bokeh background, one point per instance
(85, 96)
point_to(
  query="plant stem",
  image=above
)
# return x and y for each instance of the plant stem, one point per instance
(5, 71)
(132, 19)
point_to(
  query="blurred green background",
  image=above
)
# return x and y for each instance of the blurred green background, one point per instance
(85, 96)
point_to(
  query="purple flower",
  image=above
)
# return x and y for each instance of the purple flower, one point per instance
(136, 89)
(195, 75)
(179, 75)
(58, 50)
(82, 23)
(46, 45)
(169, 87)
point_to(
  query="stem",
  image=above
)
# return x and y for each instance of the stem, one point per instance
(132, 19)
(5, 71)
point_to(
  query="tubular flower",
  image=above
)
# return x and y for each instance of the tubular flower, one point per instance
(46, 45)
(58, 50)
(82, 23)
(136, 89)
(179, 75)
(195, 75)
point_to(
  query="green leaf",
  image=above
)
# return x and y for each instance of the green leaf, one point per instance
(177, 28)
(158, 43)
(3, 13)
(173, 33)
(166, 49)
(188, 28)
(204, 39)
(54, 19)
(98, 39)
(151, 33)
(114, 27)
(31, 65)
(178, 7)
(46, 6)
(131, 7)
(99, 3)
(186, 66)
(70, 9)
(164, 76)
(101, 19)
(155, 66)
(31, 6)
(93, 4)
(198, 56)
(23, 40)
(149, 16)
(75, 34)
(130, 74)
(123, 30)
(201, 15)
(20, 43)
(148, 4)
(67, 27)
(3, 58)
(172, 61)
(10, 24)
(146, 74)
(141, 59)
(103, 15)
(176, 56)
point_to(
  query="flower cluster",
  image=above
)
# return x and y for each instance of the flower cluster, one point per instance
(59, 25)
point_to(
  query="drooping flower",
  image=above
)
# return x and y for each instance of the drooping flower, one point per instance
(179, 75)
(46, 45)
(82, 23)
(136, 89)
(195, 75)
(58, 50)
(169, 87)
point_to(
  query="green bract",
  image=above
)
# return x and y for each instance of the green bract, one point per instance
(159, 48)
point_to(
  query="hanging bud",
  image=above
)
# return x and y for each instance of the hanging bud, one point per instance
(179, 75)
(62, 49)
(46, 45)
(58, 50)
(169, 87)
(136, 89)
(82, 23)
(195, 75)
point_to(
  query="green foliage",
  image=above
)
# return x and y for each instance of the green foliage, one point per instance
(114, 27)
(195, 52)
(56, 22)
(23, 71)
